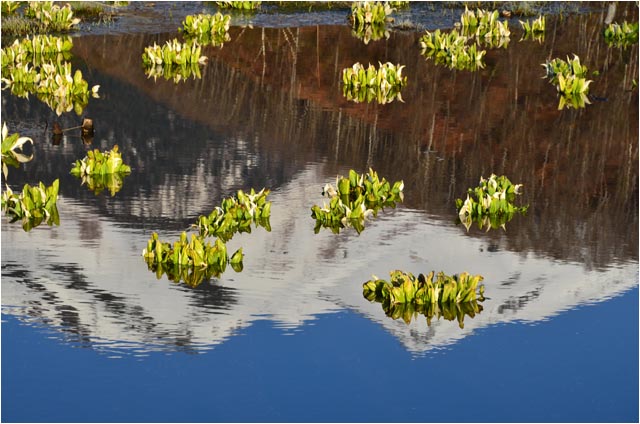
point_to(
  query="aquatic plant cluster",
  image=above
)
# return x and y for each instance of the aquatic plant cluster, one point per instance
(621, 35)
(180, 61)
(173, 52)
(197, 260)
(100, 170)
(52, 17)
(38, 66)
(490, 204)
(235, 215)
(431, 295)
(33, 205)
(368, 20)
(12, 153)
(485, 27)
(173, 60)
(191, 261)
(451, 49)
(460, 48)
(207, 29)
(535, 29)
(9, 7)
(382, 85)
(354, 199)
(570, 80)
(240, 5)
(36, 17)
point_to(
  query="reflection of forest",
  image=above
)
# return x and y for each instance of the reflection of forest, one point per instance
(276, 94)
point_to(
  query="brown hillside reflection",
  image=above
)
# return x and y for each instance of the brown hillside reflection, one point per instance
(282, 88)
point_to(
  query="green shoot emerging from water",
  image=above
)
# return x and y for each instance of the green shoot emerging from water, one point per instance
(382, 85)
(33, 206)
(430, 295)
(355, 198)
(490, 204)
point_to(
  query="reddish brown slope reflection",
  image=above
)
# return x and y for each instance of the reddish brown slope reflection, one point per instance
(283, 87)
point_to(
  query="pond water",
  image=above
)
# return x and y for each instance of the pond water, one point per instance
(90, 334)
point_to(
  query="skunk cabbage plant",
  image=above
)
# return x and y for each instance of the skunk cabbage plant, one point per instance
(33, 205)
(354, 199)
(382, 85)
(12, 153)
(236, 214)
(404, 295)
(570, 80)
(490, 204)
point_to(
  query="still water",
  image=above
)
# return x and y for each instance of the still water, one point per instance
(90, 334)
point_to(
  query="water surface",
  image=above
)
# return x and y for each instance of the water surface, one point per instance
(291, 338)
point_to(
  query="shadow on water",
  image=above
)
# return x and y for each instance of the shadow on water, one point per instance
(269, 106)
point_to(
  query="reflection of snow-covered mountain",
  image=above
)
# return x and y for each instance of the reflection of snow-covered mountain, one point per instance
(88, 277)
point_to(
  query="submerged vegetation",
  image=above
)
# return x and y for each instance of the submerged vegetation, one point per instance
(490, 204)
(354, 199)
(33, 205)
(431, 295)
(382, 85)
(100, 170)
(38, 66)
(621, 35)
(570, 80)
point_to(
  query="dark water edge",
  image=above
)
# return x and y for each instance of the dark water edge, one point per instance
(487, 378)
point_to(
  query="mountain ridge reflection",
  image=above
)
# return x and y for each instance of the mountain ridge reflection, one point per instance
(280, 121)
(111, 298)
